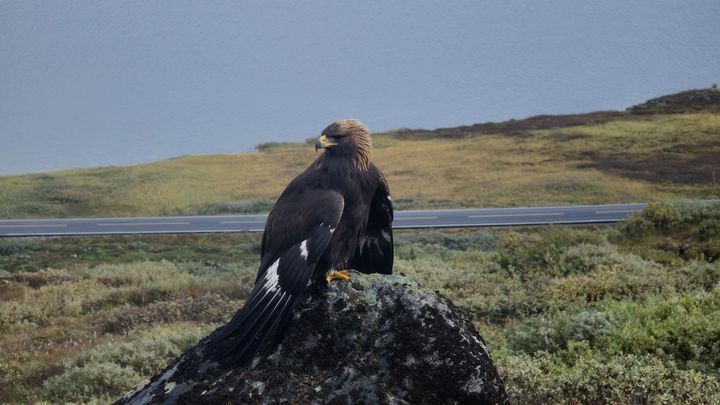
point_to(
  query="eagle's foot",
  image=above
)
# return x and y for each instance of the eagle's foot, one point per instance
(338, 275)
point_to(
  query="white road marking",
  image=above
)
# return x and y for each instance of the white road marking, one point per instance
(460, 210)
(501, 224)
(539, 214)
(242, 222)
(35, 226)
(616, 211)
(144, 224)
(414, 218)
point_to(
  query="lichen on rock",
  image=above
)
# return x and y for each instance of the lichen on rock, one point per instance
(374, 339)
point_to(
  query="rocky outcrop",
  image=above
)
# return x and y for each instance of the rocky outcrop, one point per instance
(375, 339)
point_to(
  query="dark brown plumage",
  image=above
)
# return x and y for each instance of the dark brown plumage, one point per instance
(336, 215)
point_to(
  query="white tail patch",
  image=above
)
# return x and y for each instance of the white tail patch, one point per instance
(271, 277)
(303, 249)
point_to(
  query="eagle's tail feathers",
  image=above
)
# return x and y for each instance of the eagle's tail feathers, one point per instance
(245, 348)
(254, 323)
(253, 306)
(268, 309)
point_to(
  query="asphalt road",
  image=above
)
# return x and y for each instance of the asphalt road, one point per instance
(490, 217)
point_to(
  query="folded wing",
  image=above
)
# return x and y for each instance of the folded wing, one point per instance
(297, 233)
(375, 250)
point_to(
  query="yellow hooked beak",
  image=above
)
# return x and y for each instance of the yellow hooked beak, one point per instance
(323, 143)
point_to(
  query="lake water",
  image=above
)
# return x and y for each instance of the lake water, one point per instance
(97, 83)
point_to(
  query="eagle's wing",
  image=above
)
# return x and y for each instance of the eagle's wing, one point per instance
(296, 235)
(374, 253)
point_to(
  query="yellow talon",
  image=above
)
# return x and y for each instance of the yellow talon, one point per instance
(338, 275)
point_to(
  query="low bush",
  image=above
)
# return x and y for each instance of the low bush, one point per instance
(669, 216)
(12, 246)
(473, 240)
(110, 370)
(207, 308)
(699, 275)
(684, 329)
(631, 278)
(144, 355)
(543, 378)
(585, 258)
(554, 332)
(710, 228)
(44, 277)
(539, 253)
(102, 382)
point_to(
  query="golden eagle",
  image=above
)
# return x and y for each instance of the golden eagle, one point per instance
(335, 216)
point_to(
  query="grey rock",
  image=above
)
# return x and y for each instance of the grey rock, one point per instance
(375, 339)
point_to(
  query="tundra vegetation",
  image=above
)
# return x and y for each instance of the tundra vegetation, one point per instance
(624, 313)
(628, 313)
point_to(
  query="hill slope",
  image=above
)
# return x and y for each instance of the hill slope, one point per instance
(663, 149)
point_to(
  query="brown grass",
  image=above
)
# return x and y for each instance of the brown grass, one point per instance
(654, 158)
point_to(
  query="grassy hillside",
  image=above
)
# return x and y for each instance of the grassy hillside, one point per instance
(623, 314)
(587, 158)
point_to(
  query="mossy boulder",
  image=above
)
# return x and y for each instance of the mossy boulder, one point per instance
(375, 339)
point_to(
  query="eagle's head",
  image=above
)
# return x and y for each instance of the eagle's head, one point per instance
(347, 138)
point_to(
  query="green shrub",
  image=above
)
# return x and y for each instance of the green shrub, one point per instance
(131, 296)
(669, 216)
(525, 254)
(700, 275)
(461, 240)
(110, 370)
(13, 246)
(663, 216)
(139, 246)
(206, 308)
(94, 381)
(47, 305)
(621, 276)
(139, 273)
(554, 332)
(202, 269)
(684, 329)
(145, 355)
(710, 228)
(586, 258)
(637, 226)
(496, 300)
(139, 283)
(544, 378)
(44, 277)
